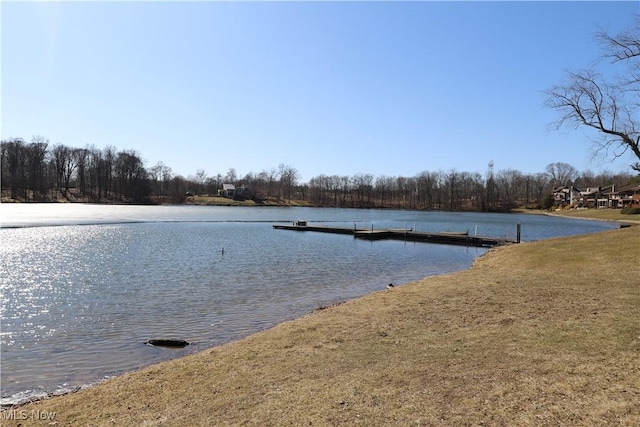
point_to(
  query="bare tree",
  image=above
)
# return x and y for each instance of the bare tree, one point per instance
(201, 179)
(607, 104)
(65, 164)
(160, 175)
(131, 176)
(508, 181)
(288, 180)
(178, 188)
(109, 160)
(624, 47)
(36, 153)
(540, 185)
(335, 187)
(231, 177)
(13, 164)
(382, 186)
(82, 173)
(561, 173)
(319, 190)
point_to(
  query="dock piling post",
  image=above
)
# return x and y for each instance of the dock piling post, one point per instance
(518, 233)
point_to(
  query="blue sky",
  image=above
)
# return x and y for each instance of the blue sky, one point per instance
(334, 88)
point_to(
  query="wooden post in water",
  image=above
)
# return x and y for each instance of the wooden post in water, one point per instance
(518, 233)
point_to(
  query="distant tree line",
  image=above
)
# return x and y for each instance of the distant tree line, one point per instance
(38, 171)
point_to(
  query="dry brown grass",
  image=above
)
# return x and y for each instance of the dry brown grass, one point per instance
(223, 201)
(217, 201)
(538, 334)
(601, 214)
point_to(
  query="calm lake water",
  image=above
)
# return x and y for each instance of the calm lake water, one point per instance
(85, 286)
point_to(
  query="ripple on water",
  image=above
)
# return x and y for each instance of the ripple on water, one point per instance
(78, 303)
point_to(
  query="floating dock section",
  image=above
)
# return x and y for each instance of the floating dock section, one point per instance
(447, 238)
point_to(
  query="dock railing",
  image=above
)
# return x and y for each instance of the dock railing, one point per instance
(451, 238)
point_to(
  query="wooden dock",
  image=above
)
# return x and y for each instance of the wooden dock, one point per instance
(447, 238)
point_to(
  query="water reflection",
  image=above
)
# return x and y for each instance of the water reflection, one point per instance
(78, 303)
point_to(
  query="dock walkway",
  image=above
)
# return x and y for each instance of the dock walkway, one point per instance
(448, 238)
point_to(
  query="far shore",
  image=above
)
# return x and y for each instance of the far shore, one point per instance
(542, 333)
(206, 200)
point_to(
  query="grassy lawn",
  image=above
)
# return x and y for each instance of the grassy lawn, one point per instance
(537, 334)
(602, 214)
(217, 201)
(598, 214)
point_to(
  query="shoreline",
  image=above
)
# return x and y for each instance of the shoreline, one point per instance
(427, 332)
(21, 400)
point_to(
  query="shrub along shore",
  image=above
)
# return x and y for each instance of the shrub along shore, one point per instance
(537, 334)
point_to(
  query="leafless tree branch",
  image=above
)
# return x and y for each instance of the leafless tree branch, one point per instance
(611, 107)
